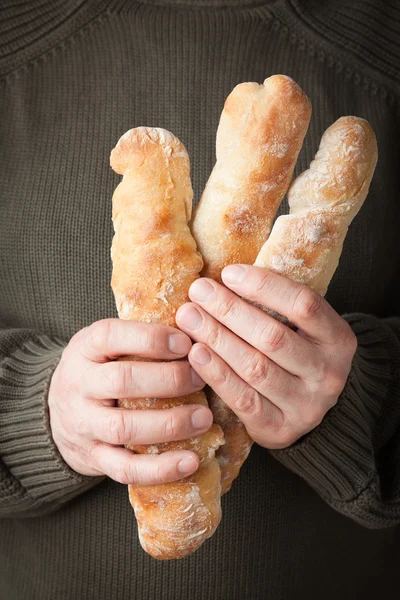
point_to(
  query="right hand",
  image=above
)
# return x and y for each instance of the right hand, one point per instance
(90, 430)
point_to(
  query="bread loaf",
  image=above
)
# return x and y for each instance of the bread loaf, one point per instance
(259, 137)
(306, 244)
(154, 262)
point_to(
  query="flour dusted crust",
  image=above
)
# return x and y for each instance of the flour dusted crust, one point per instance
(153, 252)
(306, 244)
(173, 521)
(259, 136)
(154, 262)
(238, 443)
(155, 258)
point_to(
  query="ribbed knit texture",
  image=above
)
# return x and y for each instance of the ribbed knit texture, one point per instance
(353, 23)
(30, 461)
(345, 458)
(317, 520)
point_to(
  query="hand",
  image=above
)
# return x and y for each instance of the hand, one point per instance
(278, 381)
(89, 429)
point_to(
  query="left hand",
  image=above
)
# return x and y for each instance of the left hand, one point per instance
(279, 382)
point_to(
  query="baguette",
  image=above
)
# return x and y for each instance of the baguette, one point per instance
(154, 262)
(306, 244)
(259, 137)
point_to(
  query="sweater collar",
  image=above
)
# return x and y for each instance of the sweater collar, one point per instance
(202, 3)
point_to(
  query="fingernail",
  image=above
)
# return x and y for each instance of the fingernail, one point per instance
(201, 355)
(201, 419)
(190, 317)
(178, 343)
(187, 465)
(201, 290)
(233, 273)
(196, 379)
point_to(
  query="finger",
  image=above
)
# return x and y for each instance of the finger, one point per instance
(284, 346)
(134, 379)
(123, 426)
(300, 304)
(262, 419)
(252, 366)
(110, 338)
(143, 469)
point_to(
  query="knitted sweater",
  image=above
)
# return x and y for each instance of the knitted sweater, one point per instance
(319, 520)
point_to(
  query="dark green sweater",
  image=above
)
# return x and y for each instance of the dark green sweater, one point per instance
(317, 521)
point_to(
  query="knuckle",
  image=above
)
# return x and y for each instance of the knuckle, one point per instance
(320, 373)
(272, 338)
(250, 403)
(172, 425)
(261, 284)
(218, 375)
(151, 337)
(160, 472)
(328, 381)
(227, 306)
(214, 337)
(115, 428)
(114, 380)
(256, 370)
(118, 379)
(269, 421)
(124, 473)
(178, 374)
(307, 304)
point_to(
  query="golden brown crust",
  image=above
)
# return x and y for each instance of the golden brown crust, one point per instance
(259, 136)
(154, 254)
(185, 514)
(306, 244)
(232, 454)
(154, 262)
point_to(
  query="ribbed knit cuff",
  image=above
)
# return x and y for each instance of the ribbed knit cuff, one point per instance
(27, 448)
(338, 458)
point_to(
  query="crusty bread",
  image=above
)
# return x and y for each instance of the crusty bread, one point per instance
(237, 441)
(154, 262)
(154, 254)
(155, 258)
(259, 137)
(306, 244)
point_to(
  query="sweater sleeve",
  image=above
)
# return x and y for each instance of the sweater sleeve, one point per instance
(34, 479)
(352, 459)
